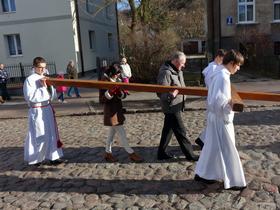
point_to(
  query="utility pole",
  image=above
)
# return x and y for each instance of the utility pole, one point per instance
(213, 27)
(79, 36)
(210, 29)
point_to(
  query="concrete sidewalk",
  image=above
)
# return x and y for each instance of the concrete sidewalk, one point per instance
(136, 102)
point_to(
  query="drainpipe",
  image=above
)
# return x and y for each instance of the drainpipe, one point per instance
(220, 26)
(118, 31)
(210, 29)
(79, 36)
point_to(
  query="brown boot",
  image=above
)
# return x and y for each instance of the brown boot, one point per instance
(135, 158)
(1, 100)
(110, 158)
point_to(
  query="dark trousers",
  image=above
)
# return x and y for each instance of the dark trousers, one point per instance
(174, 123)
(4, 91)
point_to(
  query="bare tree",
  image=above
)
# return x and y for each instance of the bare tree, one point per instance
(151, 29)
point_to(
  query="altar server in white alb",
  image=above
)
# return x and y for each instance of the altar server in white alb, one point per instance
(219, 159)
(207, 73)
(42, 141)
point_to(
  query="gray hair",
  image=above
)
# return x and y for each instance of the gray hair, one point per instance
(178, 55)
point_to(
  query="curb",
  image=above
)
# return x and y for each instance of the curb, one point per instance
(135, 111)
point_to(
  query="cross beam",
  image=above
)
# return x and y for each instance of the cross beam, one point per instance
(237, 96)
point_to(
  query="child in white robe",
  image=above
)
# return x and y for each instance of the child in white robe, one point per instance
(219, 159)
(42, 140)
(207, 72)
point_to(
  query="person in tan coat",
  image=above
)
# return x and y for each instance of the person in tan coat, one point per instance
(114, 115)
(72, 74)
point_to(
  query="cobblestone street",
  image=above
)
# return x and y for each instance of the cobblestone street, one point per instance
(86, 181)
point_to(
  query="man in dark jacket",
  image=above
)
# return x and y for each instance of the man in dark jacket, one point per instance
(3, 84)
(172, 104)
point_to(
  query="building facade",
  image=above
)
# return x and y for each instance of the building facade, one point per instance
(252, 26)
(85, 31)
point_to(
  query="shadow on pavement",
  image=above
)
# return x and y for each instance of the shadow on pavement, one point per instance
(267, 117)
(12, 157)
(101, 186)
(273, 147)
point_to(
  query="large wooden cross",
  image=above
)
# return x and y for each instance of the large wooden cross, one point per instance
(237, 96)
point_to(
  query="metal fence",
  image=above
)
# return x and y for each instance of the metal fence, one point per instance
(268, 66)
(18, 72)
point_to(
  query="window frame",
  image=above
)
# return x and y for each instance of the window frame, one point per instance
(245, 3)
(92, 40)
(90, 7)
(110, 41)
(276, 2)
(109, 12)
(11, 5)
(16, 44)
(276, 48)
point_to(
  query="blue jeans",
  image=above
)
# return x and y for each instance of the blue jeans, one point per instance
(70, 90)
(61, 96)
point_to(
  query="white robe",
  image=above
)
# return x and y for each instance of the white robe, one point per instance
(219, 159)
(208, 72)
(42, 136)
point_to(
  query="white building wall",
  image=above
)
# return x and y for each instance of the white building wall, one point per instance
(47, 29)
(101, 24)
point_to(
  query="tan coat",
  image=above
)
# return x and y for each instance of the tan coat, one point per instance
(72, 72)
(113, 109)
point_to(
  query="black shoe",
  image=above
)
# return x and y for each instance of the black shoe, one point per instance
(166, 156)
(37, 164)
(235, 188)
(57, 162)
(199, 142)
(193, 158)
(206, 181)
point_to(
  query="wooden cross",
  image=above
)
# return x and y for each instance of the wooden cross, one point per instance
(237, 96)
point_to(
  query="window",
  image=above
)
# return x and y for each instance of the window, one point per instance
(14, 44)
(8, 5)
(110, 41)
(90, 6)
(277, 48)
(246, 11)
(92, 42)
(276, 5)
(109, 12)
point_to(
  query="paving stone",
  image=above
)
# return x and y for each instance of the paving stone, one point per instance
(30, 205)
(262, 197)
(207, 202)
(266, 206)
(276, 180)
(88, 182)
(180, 204)
(196, 206)
(254, 185)
(270, 188)
(239, 203)
(46, 205)
(146, 203)
(247, 193)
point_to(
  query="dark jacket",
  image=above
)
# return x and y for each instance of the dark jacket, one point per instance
(113, 109)
(170, 76)
(3, 76)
